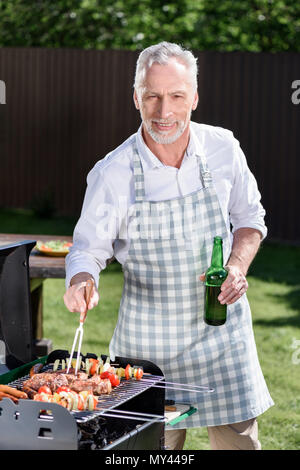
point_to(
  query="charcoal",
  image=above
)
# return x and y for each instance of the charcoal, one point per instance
(86, 445)
(98, 433)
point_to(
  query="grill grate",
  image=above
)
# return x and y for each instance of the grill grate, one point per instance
(121, 394)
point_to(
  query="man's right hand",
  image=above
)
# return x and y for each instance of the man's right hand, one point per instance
(74, 297)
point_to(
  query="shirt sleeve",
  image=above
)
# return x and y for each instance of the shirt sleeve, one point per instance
(95, 231)
(245, 206)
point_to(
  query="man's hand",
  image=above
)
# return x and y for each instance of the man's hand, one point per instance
(74, 297)
(234, 286)
(246, 242)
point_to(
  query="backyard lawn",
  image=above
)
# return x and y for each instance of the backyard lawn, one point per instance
(274, 295)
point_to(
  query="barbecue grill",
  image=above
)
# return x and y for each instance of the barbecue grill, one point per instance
(130, 418)
(16, 332)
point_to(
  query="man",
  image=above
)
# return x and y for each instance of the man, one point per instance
(156, 203)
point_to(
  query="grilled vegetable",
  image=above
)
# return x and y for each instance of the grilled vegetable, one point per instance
(114, 379)
(91, 402)
(133, 372)
(93, 367)
(66, 400)
(138, 373)
(63, 389)
(63, 364)
(43, 397)
(120, 372)
(45, 389)
(69, 399)
(128, 372)
(105, 374)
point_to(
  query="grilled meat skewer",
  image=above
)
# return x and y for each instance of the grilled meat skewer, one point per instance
(78, 383)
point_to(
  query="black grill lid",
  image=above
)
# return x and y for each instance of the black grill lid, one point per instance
(16, 337)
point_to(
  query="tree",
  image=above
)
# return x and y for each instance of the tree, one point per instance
(223, 25)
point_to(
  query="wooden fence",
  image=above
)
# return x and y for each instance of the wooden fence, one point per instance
(66, 108)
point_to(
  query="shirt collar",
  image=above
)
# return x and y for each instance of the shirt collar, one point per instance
(150, 161)
(196, 141)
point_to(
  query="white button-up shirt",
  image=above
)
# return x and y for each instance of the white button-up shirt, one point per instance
(99, 234)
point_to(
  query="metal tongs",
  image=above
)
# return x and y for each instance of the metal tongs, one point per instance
(79, 331)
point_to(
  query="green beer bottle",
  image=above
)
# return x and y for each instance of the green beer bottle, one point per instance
(215, 312)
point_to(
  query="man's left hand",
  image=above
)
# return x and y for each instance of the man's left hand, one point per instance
(234, 286)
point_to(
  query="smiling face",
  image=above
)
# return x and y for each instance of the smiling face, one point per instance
(166, 101)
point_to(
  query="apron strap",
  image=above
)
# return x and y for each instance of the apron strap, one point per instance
(204, 172)
(138, 175)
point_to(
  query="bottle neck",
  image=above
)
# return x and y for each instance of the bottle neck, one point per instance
(217, 254)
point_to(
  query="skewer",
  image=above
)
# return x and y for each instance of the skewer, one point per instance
(201, 388)
(135, 415)
(111, 415)
(208, 390)
(188, 387)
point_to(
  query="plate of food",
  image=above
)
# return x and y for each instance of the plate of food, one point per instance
(53, 247)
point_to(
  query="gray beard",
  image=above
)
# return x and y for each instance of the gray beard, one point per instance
(165, 139)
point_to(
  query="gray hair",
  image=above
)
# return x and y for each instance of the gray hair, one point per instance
(161, 54)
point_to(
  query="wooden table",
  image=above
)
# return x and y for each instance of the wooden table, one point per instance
(41, 267)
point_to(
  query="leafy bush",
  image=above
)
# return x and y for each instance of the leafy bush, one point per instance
(230, 25)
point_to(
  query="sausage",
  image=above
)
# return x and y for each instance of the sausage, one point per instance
(30, 392)
(6, 395)
(36, 369)
(13, 391)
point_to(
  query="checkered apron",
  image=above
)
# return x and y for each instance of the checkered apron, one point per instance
(161, 310)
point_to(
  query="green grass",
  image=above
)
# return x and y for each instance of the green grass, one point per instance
(274, 295)
(27, 222)
(60, 324)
